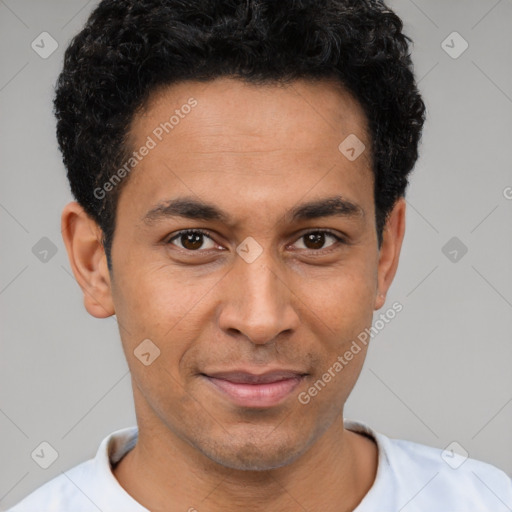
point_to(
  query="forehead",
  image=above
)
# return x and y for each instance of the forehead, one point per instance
(231, 106)
(227, 138)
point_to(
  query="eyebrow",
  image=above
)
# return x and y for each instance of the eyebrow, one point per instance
(190, 208)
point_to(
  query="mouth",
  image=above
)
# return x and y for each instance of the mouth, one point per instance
(247, 389)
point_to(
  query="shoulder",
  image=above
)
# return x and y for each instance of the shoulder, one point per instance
(431, 477)
(422, 477)
(60, 492)
(89, 486)
(462, 475)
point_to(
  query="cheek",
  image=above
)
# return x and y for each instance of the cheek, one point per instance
(343, 299)
(167, 307)
(339, 308)
(154, 301)
(327, 392)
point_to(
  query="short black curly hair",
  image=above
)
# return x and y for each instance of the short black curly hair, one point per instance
(130, 48)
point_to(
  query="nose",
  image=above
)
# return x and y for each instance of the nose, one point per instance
(258, 303)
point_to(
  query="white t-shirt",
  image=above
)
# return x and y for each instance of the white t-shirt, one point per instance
(411, 477)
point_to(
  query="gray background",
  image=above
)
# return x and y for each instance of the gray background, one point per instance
(439, 372)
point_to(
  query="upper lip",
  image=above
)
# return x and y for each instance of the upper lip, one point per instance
(245, 377)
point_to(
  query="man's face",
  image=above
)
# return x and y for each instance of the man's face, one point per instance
(254, 293)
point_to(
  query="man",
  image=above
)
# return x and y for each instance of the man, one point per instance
(240, 170)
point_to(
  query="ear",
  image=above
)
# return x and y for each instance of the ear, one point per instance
(82, 237)
(392, 237)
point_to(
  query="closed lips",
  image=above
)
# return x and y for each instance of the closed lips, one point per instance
(240, 377)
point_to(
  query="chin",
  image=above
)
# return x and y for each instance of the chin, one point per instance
(252, 458)
(246, 453)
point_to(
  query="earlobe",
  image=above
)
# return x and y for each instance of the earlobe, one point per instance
(82, 237)
(389, 254)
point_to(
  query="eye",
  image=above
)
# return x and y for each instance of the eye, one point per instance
(314, 240)
(192, 240)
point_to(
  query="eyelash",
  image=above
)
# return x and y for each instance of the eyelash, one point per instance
(339, 240)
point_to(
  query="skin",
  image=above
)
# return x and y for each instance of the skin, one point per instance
(255, 152)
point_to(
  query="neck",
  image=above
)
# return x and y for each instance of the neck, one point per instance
(334, 474)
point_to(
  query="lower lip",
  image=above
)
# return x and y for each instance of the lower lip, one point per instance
(256, 395)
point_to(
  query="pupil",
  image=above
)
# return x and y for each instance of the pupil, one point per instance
(192, 240)
(317, 239)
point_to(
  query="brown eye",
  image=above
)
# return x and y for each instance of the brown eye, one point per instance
(315, 240)
(191, 240)
(194, 240)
